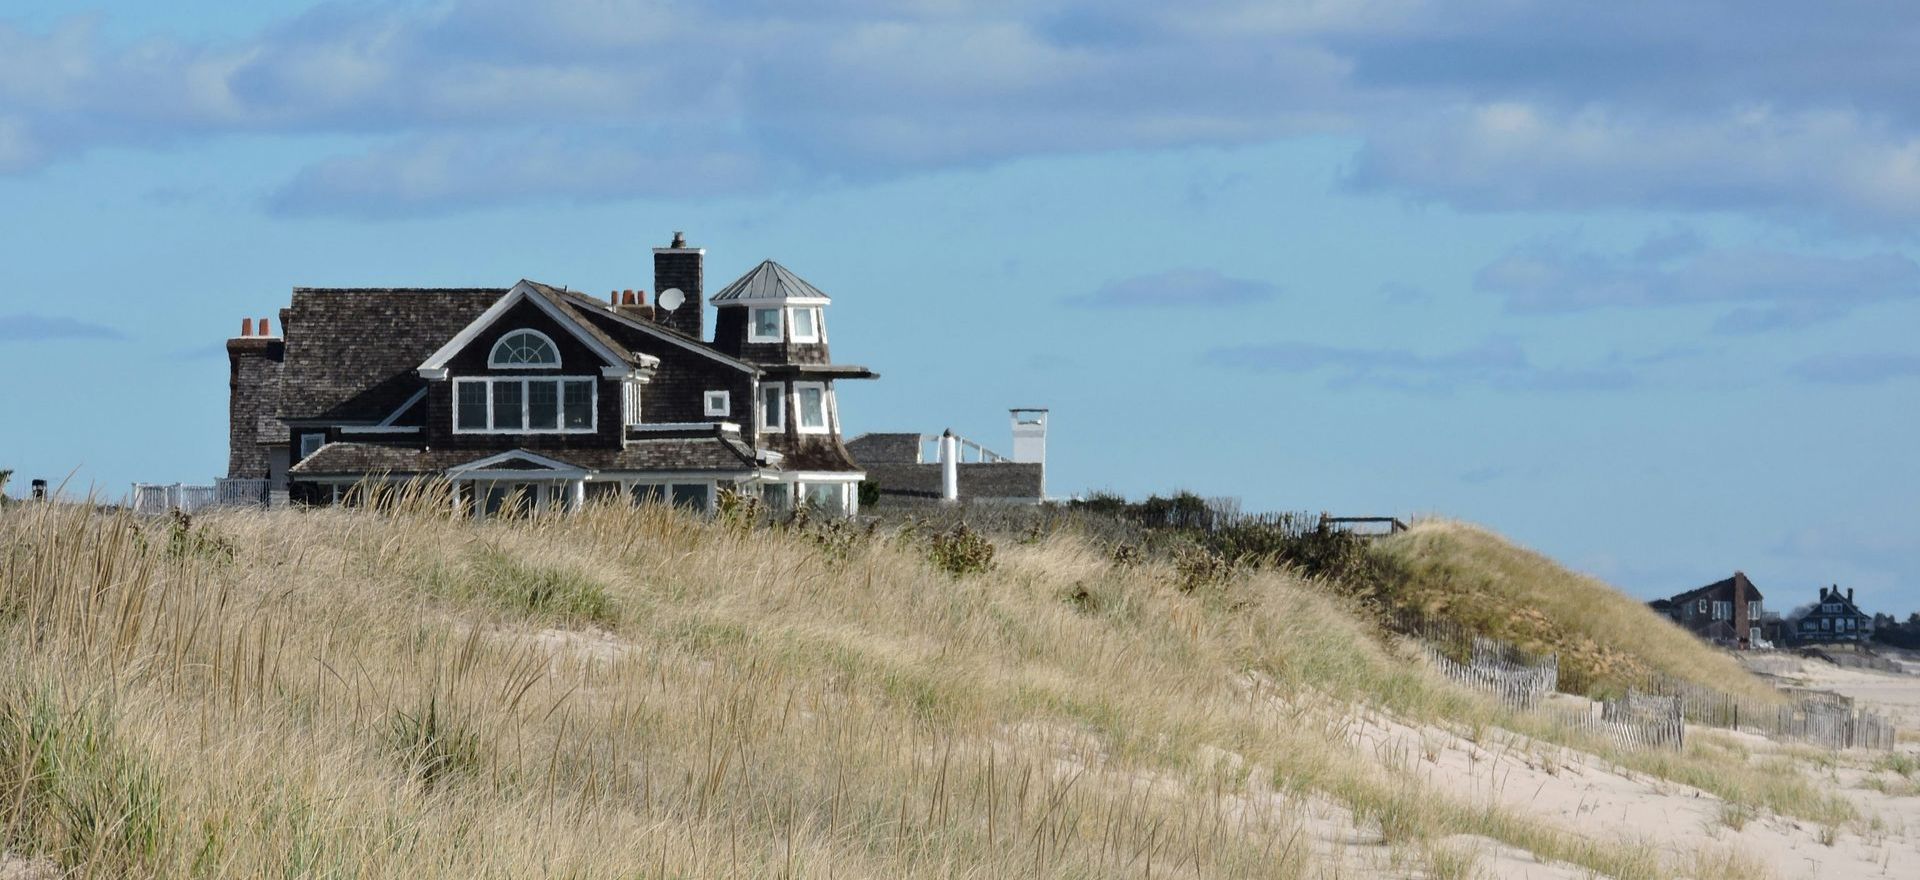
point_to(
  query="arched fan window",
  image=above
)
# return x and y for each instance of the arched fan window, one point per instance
(525, 349)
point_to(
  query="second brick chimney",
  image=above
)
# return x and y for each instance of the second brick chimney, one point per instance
(679, 267)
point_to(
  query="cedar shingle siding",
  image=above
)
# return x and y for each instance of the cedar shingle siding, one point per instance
(353, 358)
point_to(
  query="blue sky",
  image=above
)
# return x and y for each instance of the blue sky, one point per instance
(1634, 283)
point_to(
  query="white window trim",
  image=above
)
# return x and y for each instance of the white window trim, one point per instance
(725, 408)
(760, 406)
(631, 402)
(593, 405)
(493, 354)
(753, 327)
(318, 441)
(826, 409)
(811, 337)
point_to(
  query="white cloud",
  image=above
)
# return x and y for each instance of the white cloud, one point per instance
(1767, 289)
(1491, 104)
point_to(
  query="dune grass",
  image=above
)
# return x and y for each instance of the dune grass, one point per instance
(1605, 638)
(628, 692)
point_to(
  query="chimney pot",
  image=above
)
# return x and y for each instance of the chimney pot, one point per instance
(265, 327)
(1849, 594)
(626, 297)
(679, 239)
(246, 326)
(613, 297)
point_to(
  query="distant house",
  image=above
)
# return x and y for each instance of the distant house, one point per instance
(1833, 619)
(1727, 612)
(898, 464)
(534, 395)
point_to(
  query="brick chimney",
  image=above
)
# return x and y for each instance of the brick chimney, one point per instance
(678, 267)
(253, 385)
(1741, 625)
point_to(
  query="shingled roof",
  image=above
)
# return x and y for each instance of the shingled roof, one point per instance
(351, 352)
(769, 280)
(710, 453)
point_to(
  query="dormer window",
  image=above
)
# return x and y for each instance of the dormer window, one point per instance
(806, 324)
(526, 350)
(764, 325)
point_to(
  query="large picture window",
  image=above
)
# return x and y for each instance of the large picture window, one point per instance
(525, 406)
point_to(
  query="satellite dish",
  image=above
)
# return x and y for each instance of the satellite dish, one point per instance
(670, 299)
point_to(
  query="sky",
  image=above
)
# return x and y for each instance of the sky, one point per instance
(1632, 283)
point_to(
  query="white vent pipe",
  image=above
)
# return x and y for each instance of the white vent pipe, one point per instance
(949, 466)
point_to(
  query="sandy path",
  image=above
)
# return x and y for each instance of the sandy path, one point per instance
(1579, 792)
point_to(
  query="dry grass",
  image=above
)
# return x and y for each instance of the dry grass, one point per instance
(1467, 574)
(633, 693)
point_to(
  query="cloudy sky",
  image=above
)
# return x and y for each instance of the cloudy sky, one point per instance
(1632, 282)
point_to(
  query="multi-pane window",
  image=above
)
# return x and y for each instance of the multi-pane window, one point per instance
(543, 406)
(579, 397)
(524, 405)
(524, 348)
(692, 496)
(765, 325)
(470, 406)
(1722, 610)
(508, 413)
(810, 407)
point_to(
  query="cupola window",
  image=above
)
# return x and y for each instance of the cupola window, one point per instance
(765, 326)
(806, 325)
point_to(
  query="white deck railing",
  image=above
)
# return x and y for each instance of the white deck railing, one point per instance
(166, 497)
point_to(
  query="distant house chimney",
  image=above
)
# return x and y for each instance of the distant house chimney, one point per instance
(678, 267)
(1741, 624)
(1849, 595)
(1030, 440)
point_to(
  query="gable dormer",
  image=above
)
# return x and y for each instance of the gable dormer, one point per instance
(772, 316)
(529, 365)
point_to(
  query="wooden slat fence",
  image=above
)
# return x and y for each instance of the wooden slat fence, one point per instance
(1816, 717)
(1654, 712)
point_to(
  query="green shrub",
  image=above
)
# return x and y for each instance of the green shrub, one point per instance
(74, 791)
(960, 551)
(538, 590)
(1200, 567)
(185, 540)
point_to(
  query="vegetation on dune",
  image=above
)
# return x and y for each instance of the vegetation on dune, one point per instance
(633, 692)
(1607, 640)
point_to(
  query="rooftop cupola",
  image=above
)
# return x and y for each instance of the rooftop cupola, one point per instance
(772, 316)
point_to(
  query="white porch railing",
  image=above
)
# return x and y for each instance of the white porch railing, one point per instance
(166, 497)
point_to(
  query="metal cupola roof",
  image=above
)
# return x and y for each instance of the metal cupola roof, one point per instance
(768, 281)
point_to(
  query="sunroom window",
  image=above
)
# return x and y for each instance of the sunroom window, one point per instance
(765, 325)
(524, 405)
